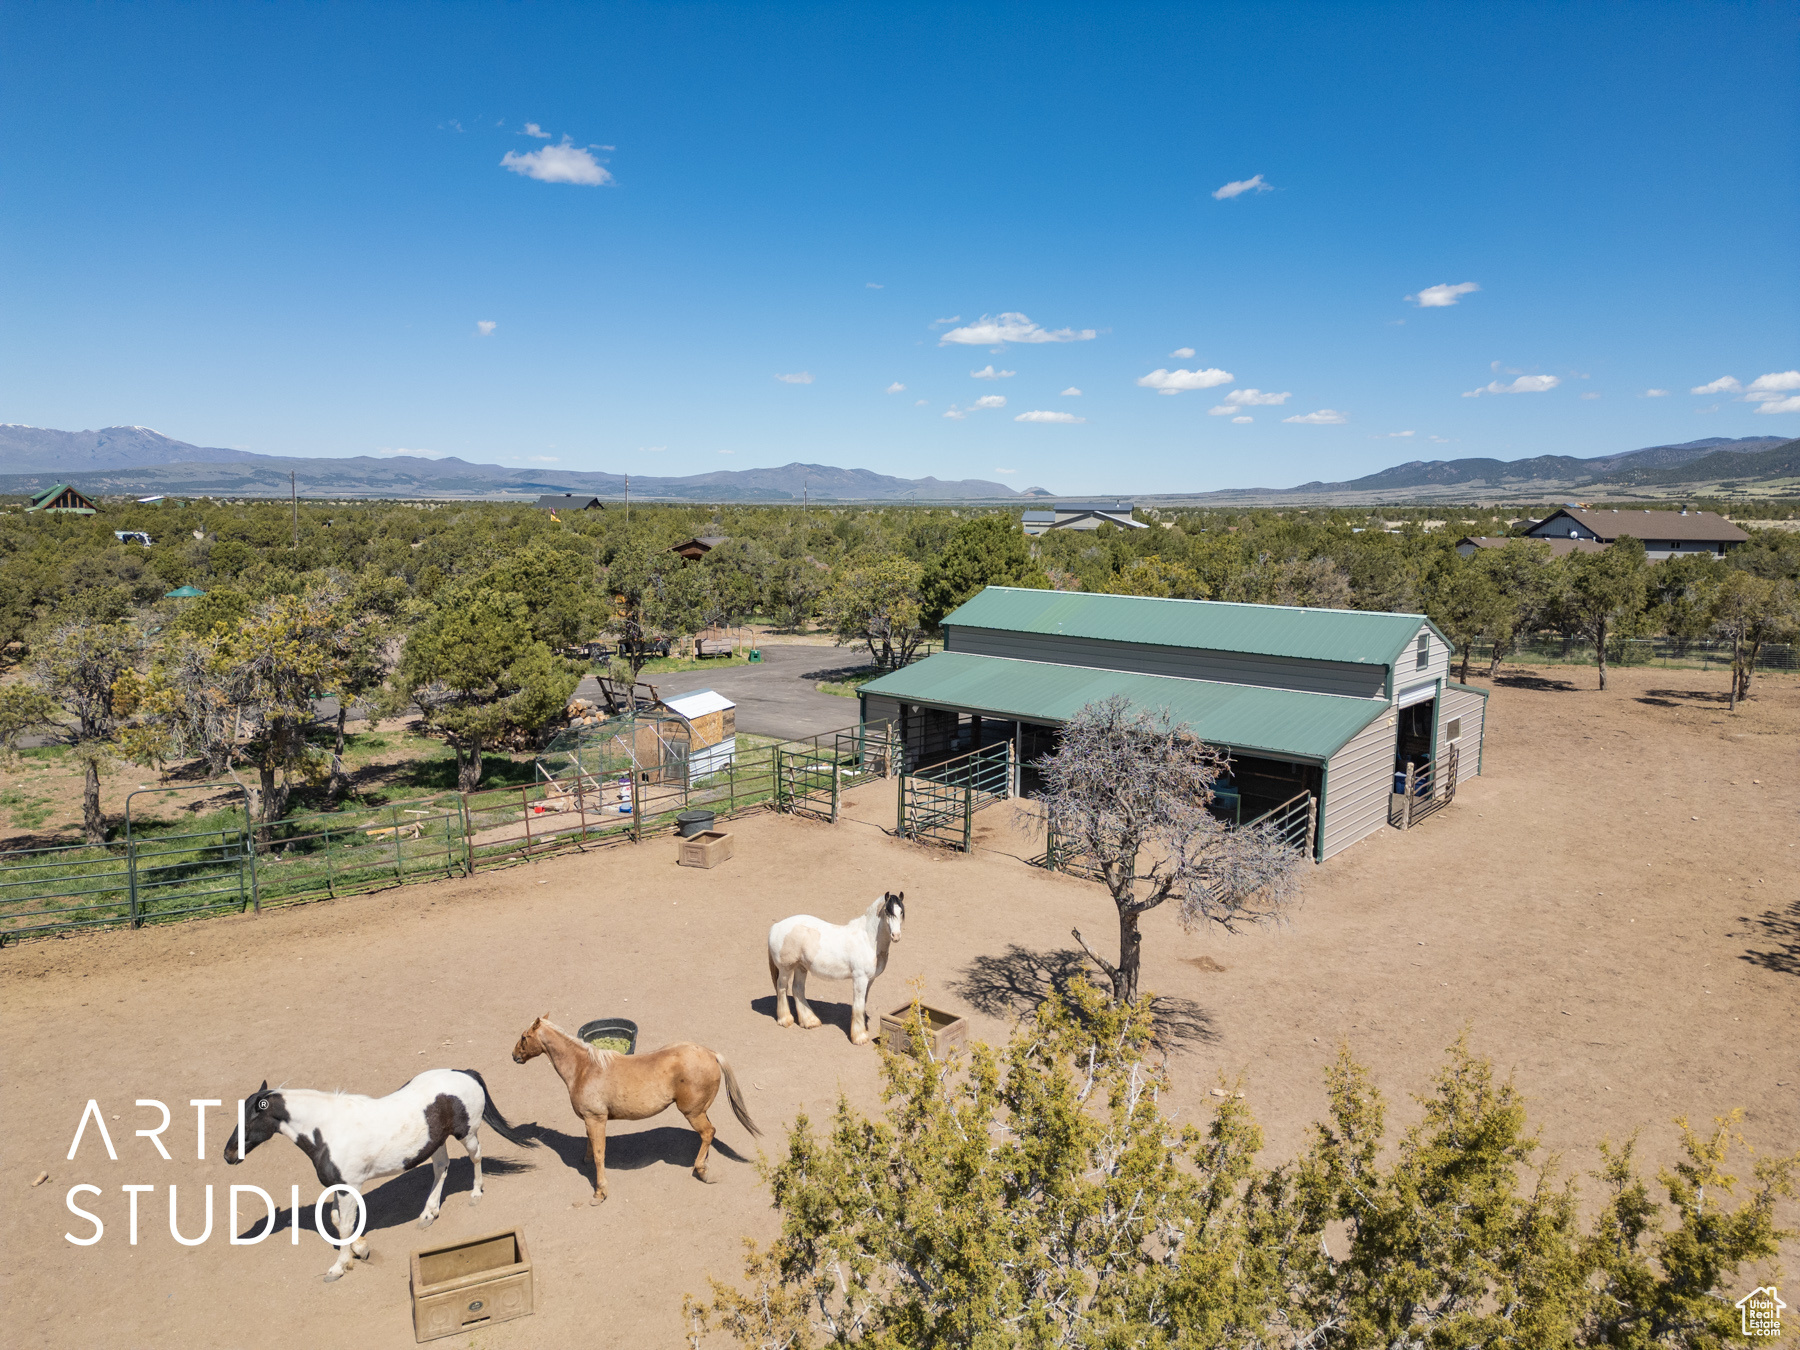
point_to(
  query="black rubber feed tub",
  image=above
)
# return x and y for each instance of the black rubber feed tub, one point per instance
(695, 822)
(611, 1033)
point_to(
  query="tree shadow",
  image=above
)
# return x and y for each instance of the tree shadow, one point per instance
(396, 1202)
(835, 673)
(1539, 683)
(1782, 928)
(830, 1013)
(1667, 697)
(1014, 982)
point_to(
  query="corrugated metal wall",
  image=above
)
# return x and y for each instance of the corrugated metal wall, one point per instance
(1409, 673)
(1269, 672)
(1358, 782)
(1472, 708)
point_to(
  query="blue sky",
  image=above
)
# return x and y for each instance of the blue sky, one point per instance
(283, 227)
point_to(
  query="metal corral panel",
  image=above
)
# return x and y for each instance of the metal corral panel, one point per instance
(1469, 704)
(1357, 636)
(1358, 781)
(1282, 722)
(1188, 663)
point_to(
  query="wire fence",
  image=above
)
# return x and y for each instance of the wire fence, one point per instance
(220, 861)
(1670, 653)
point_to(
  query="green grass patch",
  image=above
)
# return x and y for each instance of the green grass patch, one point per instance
(675, 665)
(26, 812)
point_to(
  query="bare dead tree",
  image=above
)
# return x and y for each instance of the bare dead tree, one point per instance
(1127, 790)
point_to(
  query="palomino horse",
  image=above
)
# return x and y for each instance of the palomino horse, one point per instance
(855, 951)
(353, 1139)
(605, 1085)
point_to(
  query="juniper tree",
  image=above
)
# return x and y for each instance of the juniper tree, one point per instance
(79, 666)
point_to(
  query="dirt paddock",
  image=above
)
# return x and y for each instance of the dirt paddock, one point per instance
(1611, 910)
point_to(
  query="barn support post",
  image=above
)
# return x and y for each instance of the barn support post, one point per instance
(1406, 805)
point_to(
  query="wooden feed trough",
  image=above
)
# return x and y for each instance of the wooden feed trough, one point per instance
(943, 1030)
(470, 1284)
(707, 849)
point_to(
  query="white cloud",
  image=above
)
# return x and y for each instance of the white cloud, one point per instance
(921, 403)
(1325, 417)
(1005, 470)
(563, 163)
(533, 129)
(1656, 393)
(1040, 416)
(1525, 384)
(989, 401)
(1725, 384)
(545, 459)
(1223, 410)
(1174, 381)
(989, 373)
(1437, 297)
(798, 377)
(1071, 392)
(1441, 440)
(486, 327)
(1239, 188)
(1255, 398)
(1770, 388)
(955, 413)
(416, 454)
(873, 286)
(1790, 404)
(727, 452)
(652, 449)
(896, 388)
(1396, 435)
(941, 323)
(1590, 394)
(1182, 353)
(991, 331)
(1243, 419)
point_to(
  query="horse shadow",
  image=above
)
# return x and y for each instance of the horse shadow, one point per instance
(398, 1201)
(830, 1013)
(1782, 928)
(675, 1145)
(1015, 981)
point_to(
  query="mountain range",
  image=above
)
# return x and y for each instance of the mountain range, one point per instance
(137, 460)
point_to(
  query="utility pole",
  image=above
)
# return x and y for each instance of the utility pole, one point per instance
(294, 502)
(628, 499)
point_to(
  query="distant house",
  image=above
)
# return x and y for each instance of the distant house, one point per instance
(60, 497)
(1467, 545)
(132, 537)
(568, 501)
(1665, 534)
(1082, 516)
(693, 550)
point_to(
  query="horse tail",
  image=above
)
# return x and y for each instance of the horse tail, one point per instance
(491, 1114)
(774, 974)
(736, 1094)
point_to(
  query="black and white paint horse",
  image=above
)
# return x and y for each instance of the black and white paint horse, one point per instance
(353, 1139)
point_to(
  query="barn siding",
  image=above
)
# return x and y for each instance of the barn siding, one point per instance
(878, 708)
(1407, 672)
(1359, 780)
(1472, 708)
(1269, 672)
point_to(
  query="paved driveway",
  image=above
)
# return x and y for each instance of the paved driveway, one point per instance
(776, 697)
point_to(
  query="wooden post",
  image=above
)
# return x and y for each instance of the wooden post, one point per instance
(1310, 824)
(837, 788)
(900, 818)
(968, 814)
(468, 832)
(1406, 806)
(399, 864)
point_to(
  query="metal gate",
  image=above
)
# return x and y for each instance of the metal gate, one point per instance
(175, 873)
(1423, 790)
(808, 781)
(939, 802)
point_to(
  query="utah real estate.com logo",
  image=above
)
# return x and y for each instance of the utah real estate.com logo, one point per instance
(1761, 1309)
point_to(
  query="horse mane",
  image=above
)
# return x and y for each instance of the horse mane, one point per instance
(600, 1056)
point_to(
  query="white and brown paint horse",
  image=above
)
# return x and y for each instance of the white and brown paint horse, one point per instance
(856, 951)
(353, 1139)
(605, 1085)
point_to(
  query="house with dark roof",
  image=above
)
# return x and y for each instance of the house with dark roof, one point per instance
(693, 550)
(568, 501)
(1336, 704)
(60, 498)
(1665, 534)
(1082, 516)
(1559, 548)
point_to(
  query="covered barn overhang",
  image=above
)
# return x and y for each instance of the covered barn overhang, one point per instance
(1281, 723)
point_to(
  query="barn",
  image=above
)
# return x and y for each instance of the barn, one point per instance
(1333, 702)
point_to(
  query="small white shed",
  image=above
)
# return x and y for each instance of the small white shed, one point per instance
(711, 722)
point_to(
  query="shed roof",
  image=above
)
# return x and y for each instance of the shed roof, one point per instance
(1362, 637)
(1281, 722)
(569, 501)
(698, 703)
(1701, 526)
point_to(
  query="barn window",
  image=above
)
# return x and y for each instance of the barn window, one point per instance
(1453, 729)
(1424, 651)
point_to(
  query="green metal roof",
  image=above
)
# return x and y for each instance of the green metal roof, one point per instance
(183, 593)
(1283, 722)
(1363, 637)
